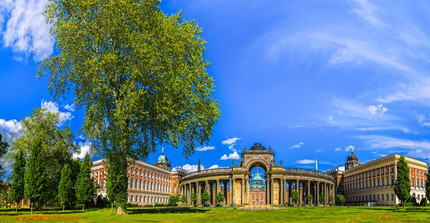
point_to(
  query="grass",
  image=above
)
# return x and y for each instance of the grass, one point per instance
(186, 214)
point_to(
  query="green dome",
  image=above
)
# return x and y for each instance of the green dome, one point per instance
(257, 181)
(162, 159)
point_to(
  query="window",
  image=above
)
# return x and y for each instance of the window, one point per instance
(392, 197)
(387, 198)
(378, 197)
(382, 197)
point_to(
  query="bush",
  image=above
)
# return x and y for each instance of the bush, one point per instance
(310, 198)
(173, 200)
(194, 198)
(414, 201)
(219, 197)
(423, 202)
(183, 199)
(205, 197)
(296, 197)
(340, 199)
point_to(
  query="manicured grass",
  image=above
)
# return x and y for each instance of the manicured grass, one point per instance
(186, 214)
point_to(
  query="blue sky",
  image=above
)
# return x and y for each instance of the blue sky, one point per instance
(308, 78)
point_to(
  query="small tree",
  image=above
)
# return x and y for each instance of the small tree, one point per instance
(65, 189)
(35, 175)
(85, 185)
(205, 197)
(219, 197)
(3, 149)
(173, 200)
(423, 202)
(310, 198)
(194, 198)
(17, 187)
(428, 184)
(402, 186)
(340, 199)
(183, 199)
(296, 197)
(322, 198)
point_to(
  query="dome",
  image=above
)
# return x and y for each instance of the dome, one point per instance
(257, 146)
(257, 181)
(162, 159)
(352, 157)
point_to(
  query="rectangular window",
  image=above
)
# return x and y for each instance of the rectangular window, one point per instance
(392, 197)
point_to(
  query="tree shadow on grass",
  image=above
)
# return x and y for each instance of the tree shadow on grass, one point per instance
(399, 209)
(180, 210)
(24, 211)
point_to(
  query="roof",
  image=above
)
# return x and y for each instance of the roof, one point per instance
(162, 159)
(257, 146)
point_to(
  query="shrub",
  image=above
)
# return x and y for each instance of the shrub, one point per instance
(340, 199)
(310, 198)
(423, 202)
(219, 197)
(205, 197)
(296, 197)
(173, 200)
(414, 201)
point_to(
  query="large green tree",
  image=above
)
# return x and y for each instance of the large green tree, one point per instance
(402, 187)
(85, 190)
(18, 182)
(65, 189)
(35, 174)
(428, 184)
(116, 179)
(3, 149)
(140, 75)
(57, 142)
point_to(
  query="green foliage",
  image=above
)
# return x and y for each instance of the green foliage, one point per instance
(402, 186)
(57, 144)
(183, 199)
(35, 175)
(193, 198)
(3, 149)
(330, 198)
(116, 179)
(423, 202)
(427, 187)
(128, 63)
(296, 197)
(219, 197)
(322, 198)
(85, 190)
(310, 198)
(205, 197)
(18, 172)
(173, 200)
(65, 189)
(340, 199)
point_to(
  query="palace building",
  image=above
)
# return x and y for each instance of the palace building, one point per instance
(362, 184)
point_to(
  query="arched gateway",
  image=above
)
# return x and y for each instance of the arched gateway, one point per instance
(281, 182)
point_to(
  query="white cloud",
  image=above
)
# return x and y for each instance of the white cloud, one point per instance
(189, 168)
(368, 12)
(53, 108)
(230, 141)
(305, 161)
(319, 151)
(380, 109)
(348, 148)
(417, 149)
(9, 128)
(205, 148)
(297, 146)
(341, 168)
(26, 31)
(231, 156)
(214, 167)
(70, 107)
(423, 120)
(84, 149)
(337, 149)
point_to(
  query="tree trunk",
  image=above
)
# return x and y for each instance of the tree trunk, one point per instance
(111, 207)
(31, 207)
(63, 207)
(16, 206)
(83, 207)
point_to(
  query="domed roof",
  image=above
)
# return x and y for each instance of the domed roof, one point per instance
(257, 182)
(162, 159)
(352, 157)
(257, 178)
(257, 146)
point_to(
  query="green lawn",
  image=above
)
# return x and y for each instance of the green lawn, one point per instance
(287, 214)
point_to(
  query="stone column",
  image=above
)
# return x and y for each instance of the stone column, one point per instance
(231, 191)
(267, 190)
(272, 199)
(247, 189)
(199, 193)
(309, 190)
(282, 191)
(317, 193)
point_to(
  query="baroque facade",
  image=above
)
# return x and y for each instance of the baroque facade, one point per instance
(150, 184)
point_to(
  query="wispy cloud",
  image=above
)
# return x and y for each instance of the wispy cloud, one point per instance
(205, 148)
(297, 146)
(368, 12)
(305, 161)
(189, 167)
(230, 141)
